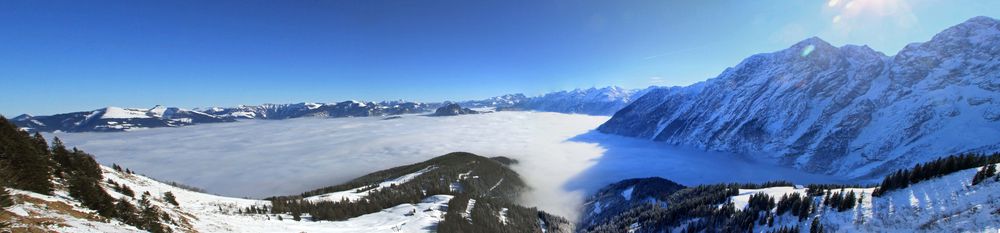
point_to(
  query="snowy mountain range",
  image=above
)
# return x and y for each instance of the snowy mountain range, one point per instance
(112, 119)
(116, 119)
(342, 109)
(848, 111)
(592, 101)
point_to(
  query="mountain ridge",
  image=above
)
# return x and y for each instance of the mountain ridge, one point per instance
(845, 110)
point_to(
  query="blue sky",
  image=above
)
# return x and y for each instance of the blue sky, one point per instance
(60, 56)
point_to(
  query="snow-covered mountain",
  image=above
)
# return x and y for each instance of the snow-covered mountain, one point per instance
(591, 101)
(949, 203)
(112, 119)
(845, 110)
(116, 119)
(342, 109)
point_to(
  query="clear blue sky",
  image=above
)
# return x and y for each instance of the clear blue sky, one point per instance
(60, 56)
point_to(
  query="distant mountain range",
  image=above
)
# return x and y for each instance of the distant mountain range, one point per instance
(847, 111)
(116, 119)
(593, 101)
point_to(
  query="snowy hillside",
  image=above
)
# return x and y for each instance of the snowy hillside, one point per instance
(201, 212)
(112, 119)
(847, 110)
(950, 203)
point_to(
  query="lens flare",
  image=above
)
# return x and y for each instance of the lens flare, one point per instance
(832, 3)
(836, 19)
(807, 50)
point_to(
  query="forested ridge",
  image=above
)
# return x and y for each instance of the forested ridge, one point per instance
(709, 208)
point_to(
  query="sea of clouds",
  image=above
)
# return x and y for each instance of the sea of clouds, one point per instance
(560, 156)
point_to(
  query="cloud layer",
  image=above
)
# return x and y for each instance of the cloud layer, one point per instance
(560, 158)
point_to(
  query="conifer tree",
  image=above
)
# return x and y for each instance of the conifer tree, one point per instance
(60, 155)
(25, 166)
(984, 173)
(126, 212)
(169, 197)
(815, 226)
(149, 216)
(5, 199)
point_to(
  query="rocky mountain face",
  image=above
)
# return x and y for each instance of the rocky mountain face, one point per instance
(453, 110)
(838, 110)
(593, 101)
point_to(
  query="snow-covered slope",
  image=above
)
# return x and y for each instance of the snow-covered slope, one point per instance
(949, 203)
(200, 212)
(946, 204)
(846, 110)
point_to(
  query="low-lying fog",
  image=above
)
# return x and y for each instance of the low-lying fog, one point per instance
(561, 158)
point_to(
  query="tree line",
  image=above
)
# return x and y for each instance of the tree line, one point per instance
(440, 176)
(903, 178)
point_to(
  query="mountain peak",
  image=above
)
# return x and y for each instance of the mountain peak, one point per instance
(813, 41)
(22, 117)
(977, 30)
(982, 20)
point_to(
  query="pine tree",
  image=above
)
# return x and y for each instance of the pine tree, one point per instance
(815, 226)
(169, 197)
(149, 216)
(90, 194)
(5, 199)
(60, 155)
(126, 212)
(24, 164)
(984, 173)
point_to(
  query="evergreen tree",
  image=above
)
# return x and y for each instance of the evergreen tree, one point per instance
(90, 194)
(984, 173)
(149, 216)
(126, 212)
(815, 226)
(24, 164)
(5, 199)
(60, 155)
(169, 197)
